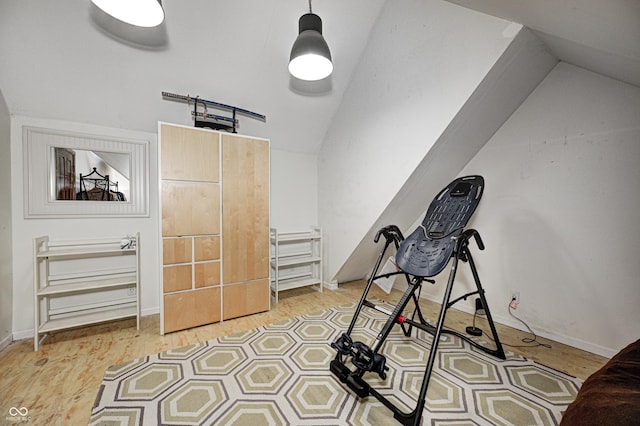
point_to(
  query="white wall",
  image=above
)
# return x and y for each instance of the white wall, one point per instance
(559, 216)
(294, 190)
(293, 205)
(6, 294)
(24, 230)
(423, 61)
(518, 71)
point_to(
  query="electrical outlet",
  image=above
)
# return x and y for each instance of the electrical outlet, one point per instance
(515, 295)
(131, 291)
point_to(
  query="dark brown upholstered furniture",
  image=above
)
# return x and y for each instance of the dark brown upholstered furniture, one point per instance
(611, 395)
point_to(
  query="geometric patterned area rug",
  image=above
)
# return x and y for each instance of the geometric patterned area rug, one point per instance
(279, 375)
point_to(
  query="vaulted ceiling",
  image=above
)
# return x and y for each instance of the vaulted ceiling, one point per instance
(67, 60)
(601, 36)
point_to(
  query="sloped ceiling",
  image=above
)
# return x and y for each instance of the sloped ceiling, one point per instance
(601, 36)
(68, 60)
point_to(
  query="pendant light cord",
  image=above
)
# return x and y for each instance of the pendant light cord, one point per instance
(310, 7)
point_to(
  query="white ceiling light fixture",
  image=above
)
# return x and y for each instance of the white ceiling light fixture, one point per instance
(141, 13)
(310, 57)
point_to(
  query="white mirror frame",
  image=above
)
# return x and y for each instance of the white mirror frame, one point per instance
(39, 200)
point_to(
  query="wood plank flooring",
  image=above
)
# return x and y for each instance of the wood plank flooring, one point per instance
(58, 383)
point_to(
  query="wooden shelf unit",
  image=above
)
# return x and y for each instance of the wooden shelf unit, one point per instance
(296, 260)
(53, 285)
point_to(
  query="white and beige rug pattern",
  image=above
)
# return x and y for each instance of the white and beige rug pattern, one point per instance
(279, 375)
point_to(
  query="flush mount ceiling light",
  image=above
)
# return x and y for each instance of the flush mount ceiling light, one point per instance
(141, 13)
(310, 56)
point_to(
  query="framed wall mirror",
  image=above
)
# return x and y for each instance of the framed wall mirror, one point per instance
(84, 175)
(70, 174)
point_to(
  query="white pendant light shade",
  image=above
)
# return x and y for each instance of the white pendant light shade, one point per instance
(310, 56)
(141, 13)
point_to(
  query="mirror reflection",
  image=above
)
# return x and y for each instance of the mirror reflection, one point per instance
(91, 175)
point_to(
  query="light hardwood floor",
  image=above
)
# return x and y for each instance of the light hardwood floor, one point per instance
(58, 383)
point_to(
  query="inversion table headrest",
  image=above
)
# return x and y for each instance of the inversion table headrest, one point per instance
(427, 250)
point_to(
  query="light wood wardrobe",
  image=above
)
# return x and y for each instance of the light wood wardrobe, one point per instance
(214, 198)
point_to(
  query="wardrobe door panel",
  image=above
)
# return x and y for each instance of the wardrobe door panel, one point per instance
(190, 225)
(190, 208)
(245, 298)
(205, 209)
(245, 208)
(191, 309)
(207, 248)
(207, 274)
(176, 278)
(176, 250)
(189, 154)
(176, 211)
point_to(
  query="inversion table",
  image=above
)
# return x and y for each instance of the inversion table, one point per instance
(424, 254)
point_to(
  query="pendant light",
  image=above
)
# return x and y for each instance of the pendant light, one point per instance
(310, 57)
(141, 13)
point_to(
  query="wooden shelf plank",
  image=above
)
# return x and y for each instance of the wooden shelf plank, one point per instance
(296, 237)
(88, 285)
(292, 276)
(89, 275)
(288, 285)
(294, 261)
(88, 318)
(84, 252)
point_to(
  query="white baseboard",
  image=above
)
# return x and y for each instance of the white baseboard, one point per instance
(332, 285)
(557, 337)
(24, 334)
(560, 338)
(5, 342)
(149, 311)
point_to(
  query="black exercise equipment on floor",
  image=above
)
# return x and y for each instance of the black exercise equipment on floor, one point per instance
(423, 254)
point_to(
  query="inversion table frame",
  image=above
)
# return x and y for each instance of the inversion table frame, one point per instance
(423, 254)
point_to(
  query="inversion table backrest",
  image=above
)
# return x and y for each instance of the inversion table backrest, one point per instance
(426, 252)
